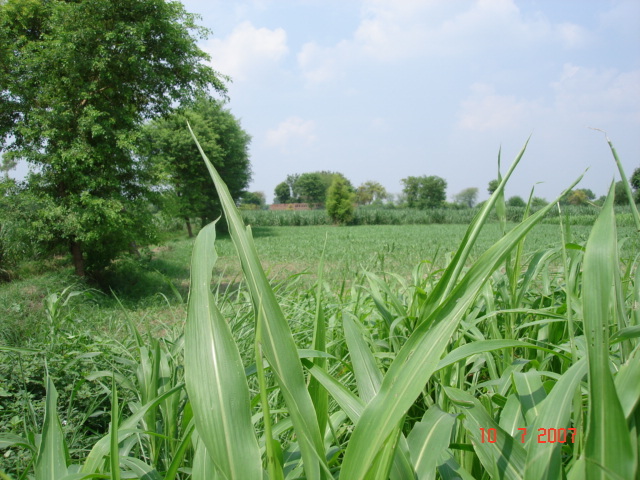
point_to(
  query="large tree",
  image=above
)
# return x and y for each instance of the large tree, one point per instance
(169, 146)
(77, 80)
(370, 192)
(467, 197)
(425, 192)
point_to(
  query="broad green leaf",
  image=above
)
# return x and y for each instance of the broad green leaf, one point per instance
(505, 458)
(51, 463)
(214, 374)
(353, 407)
(278, 345)
(449, 469)
(483, 346)
(427, 441)
(607, 448)
(365, 369)
(203, 467)
(627, 384)
(417, 360)
(511, 416)
(530, 392)
(543, 459)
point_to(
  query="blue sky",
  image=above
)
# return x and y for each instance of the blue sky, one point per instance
(383, 89)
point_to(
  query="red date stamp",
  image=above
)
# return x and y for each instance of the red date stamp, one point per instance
(545, 435)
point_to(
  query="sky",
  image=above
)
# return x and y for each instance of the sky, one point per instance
(385, 89)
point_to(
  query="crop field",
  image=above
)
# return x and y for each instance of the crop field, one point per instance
(490, 350)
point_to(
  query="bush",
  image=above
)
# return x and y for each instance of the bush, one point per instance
(340, 201)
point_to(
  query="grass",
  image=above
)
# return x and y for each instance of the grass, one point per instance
(414, 351)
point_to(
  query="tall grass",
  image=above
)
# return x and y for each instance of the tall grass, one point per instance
(576, 215)
(454, 372)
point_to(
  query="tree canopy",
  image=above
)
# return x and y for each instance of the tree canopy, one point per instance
(425, 192)
(310, 187)
(467, 197)
(370, 192)
(340, 198)
(169, 146)
(77, 80)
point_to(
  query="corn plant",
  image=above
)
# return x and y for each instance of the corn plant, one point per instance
(505, 364)
(429, 352)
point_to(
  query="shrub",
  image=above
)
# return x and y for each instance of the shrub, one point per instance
(340, 201)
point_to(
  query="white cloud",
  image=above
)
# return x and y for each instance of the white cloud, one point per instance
(246, 50)
(485, 110)
(319, 64)
(581, 96)
(392, 30)
(291, 134)
(598, 95)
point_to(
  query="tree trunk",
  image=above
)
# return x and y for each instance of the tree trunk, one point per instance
(78, 259)
(186, 219)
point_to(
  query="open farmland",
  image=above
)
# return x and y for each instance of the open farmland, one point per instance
(430, 351)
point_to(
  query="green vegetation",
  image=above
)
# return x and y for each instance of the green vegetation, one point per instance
(310, 187)
(77, 80)
(414, 360)
(424, 192)
(181, 176)
(340, 199)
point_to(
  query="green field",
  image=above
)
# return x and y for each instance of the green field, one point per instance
(514, 352)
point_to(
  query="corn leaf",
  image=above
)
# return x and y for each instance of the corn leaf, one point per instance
(418, 358)
(543, 459)
(278, 345)
(51, 463)
(214, 374)
(608, 448)
(428, 439)
(505, 458)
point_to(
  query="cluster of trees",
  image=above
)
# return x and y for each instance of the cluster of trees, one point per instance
(88, 95)
(311, 187)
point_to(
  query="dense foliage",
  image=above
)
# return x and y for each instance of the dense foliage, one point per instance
(425, 191)
(185, 182)
(77, 79)
(340, 201)
(310, 187)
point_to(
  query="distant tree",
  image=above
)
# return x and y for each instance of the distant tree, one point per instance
(577, 197)
(282, 193)
(370, 192)
(310, 188)
(252, 200)
(168, 144)
(620, 194)
(516, 201)
(467, 197)
(635, 184)
(77, 79)
(291, 181)
(493, 186)
(538, 202)
(424, 192)
(340, 200)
